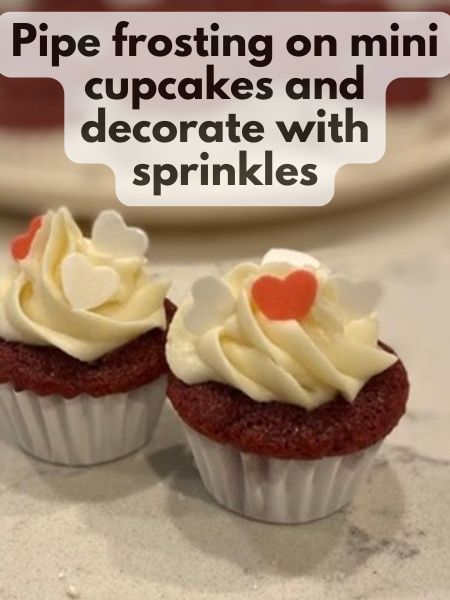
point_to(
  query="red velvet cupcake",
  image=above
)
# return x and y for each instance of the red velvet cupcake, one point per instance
(282, 386)
(82, 336)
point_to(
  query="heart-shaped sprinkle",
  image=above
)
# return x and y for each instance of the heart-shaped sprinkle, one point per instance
(21, 244)
(300, 260)
(112, 236)
(358, 297)
(212, 304)
(288, 298)
(85, 285)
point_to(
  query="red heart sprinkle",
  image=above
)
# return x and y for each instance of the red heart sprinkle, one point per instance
(21, 244)
(283, 299)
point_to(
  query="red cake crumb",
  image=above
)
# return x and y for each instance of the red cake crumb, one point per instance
(286, 431)
(47, 370)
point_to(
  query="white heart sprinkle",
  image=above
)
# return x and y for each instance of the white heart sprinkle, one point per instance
(111, 235)
(292, 257)
(212, 304)
(85, 285)
(359, 297)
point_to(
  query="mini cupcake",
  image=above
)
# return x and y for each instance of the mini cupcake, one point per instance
(82, 335)
(283, 388)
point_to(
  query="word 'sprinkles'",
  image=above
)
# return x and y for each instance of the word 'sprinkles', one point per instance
(242, 173)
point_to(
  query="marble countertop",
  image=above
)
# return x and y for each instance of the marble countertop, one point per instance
(144, 527)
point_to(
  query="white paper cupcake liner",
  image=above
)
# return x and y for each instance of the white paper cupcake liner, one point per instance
(274, 490)
(84, 430)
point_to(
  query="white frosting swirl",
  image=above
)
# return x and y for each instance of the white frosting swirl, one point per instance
(35, 310)
(305, 363)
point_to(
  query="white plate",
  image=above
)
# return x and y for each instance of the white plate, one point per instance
(35, 173)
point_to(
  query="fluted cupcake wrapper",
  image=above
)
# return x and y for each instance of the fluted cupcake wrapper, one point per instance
(84, 430)
(274, 490)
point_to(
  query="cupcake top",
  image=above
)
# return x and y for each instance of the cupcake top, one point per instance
(285, 330)
(85, 296)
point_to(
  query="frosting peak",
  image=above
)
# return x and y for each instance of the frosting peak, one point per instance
(77, 294)
(290, 334)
